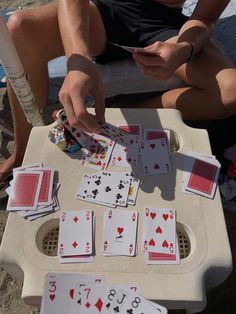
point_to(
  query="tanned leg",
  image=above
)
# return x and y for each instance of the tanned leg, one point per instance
(212, 92)
(37, 39)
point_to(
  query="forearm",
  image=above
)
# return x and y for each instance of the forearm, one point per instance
(199, 28)
(73, 19)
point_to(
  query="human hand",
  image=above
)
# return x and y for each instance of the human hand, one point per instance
(82, 79)
(169, 57)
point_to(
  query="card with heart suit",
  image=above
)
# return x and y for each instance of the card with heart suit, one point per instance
(155, 258)
(155, 157)
(25, 189)
(119, 232)
(136, 304)
(106, 186)
(159, 230)
(201, 175)
(154, 134)
(75, 233)
(59, 291)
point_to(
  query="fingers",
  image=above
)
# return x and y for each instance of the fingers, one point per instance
(82, 118)
(100, 105)
(148, 60)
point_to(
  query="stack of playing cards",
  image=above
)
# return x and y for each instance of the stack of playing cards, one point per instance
(200, 175)
(108, 188)
(160, 244)
(75, 293)
(76, 236)
(33, 191)
(119, 232)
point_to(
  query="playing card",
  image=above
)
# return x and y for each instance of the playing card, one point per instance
(154, 134)
(93, 298)
(45, 194)
(159, 230)
(59, 291)
(119, 232)
(133, 129)
(98, 152)
(133, 190)
(136, 304)
(24, 191)
(155, 157)
(110, 187)
(115, 133)
(117, 296)
(137, 49)
(125, 156)
(75, 233)
(201, 176)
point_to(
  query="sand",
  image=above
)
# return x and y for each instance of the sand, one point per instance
(220, 301)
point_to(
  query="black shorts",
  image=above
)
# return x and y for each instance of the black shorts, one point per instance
(137, 23)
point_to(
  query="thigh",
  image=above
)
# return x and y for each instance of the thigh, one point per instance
(209, 69)
(41, 30)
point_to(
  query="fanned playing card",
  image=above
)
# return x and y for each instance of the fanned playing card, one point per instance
(115, 133)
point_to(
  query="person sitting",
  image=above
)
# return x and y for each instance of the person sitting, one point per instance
(83, 29)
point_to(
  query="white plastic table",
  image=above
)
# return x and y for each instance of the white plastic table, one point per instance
(28, 247)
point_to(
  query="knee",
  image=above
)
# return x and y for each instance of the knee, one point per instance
(17, 26)
(228, 94)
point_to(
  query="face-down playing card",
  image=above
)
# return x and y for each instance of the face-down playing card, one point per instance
(25, 190)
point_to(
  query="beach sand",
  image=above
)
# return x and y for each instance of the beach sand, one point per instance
(220, 301)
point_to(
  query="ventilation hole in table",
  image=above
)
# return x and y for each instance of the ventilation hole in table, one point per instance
(50, 242)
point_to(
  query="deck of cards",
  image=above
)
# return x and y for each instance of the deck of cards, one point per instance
(160, 244)
(200, 175)
(76, 236)
(121, 146)
(33, 191)
(76, 293)
(108, 188)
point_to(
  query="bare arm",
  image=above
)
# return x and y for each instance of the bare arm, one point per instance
(198, 29)
(73, 18)
(82, 77)
(193, 36)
